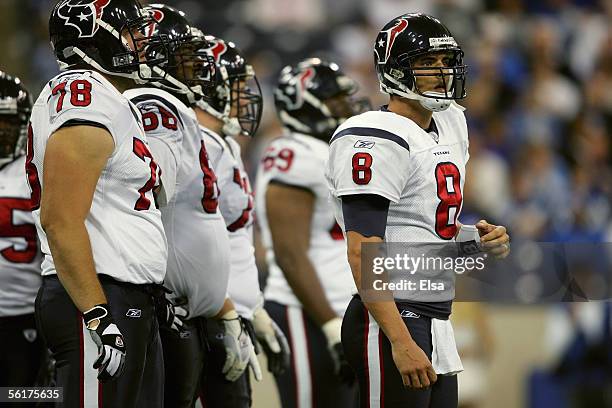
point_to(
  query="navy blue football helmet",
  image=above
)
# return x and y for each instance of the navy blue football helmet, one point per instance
(314, 97)
(398, 46)
(111, 36)
(15, 109)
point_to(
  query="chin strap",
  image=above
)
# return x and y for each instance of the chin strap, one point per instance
(194, 95)
(296, 124)
(231, 126)
(141, 77)
(430, 103)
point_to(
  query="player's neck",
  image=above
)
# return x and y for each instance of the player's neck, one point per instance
(412, 110)
(122, 84)
(209, 121)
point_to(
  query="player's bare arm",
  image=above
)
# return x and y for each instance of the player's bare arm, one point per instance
(74, 159)
(410, 360)
(290, 228)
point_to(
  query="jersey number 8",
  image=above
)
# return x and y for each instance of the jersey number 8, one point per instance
(362, 168)
(448, 180)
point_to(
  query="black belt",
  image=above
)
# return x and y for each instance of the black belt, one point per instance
(154, 289)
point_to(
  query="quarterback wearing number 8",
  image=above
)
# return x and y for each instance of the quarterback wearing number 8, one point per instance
(397, 175)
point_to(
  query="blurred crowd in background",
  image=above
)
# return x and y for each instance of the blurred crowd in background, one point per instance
(539, 105)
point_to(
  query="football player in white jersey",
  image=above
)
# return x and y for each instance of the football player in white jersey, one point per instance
(309, 283)
(91, 177)
(397, 175)
(235, 109)
(199, 247)
(19, 253)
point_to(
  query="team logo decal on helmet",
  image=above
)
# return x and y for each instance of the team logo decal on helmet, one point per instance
(217, 49)
(295, 99)
(157, 17)
(314, 97)
(305, 79)
(385, 43)
(83, 15)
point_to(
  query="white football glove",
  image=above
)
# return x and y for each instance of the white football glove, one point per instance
(333, 331)
(239, 349)
(180, 315)
(272, 340)
(171, 314)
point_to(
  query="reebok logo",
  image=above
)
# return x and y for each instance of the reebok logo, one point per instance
(135, 313)
(408, 313)
(364, 144)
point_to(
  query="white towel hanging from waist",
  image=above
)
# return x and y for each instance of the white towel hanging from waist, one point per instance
(444, 356)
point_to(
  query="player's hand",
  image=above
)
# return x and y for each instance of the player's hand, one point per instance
(272, 340)
(171, 315)
(180, 315)
(110, 342)
(494, 239)
(332, 330)
(414, 366)
(239, 350)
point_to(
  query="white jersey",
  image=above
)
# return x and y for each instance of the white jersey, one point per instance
(19, 252)
(299, 160)
(421, 173)
(380, 152)
(198, 259)
(124, 226)
(236, 204)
